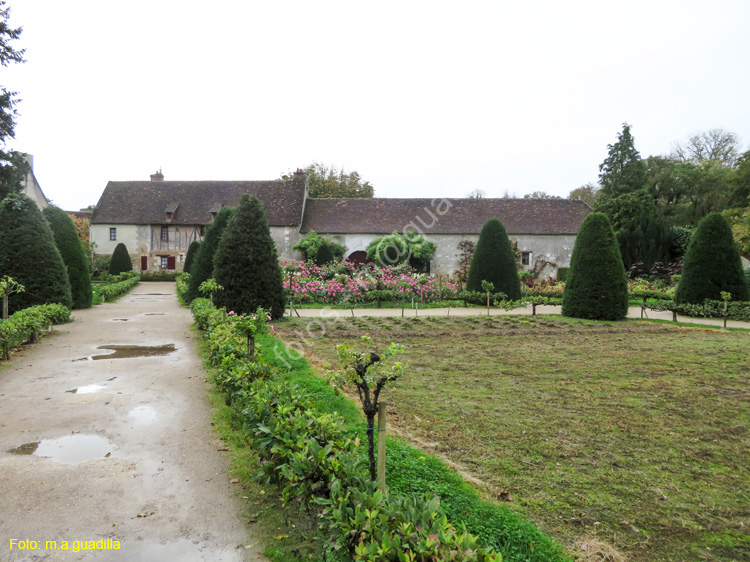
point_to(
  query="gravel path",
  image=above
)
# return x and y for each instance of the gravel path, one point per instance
(118, 449)
(633, 312)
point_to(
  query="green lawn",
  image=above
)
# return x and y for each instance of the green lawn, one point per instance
(629, 436)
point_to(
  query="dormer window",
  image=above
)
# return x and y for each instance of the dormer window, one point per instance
(170, 211)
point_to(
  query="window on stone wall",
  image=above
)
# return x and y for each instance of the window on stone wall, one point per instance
(165, 234)
(526, 258)
(164, 262)
(113, 234)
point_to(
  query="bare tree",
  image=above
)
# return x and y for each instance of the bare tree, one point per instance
(476, 194)
(715, 145)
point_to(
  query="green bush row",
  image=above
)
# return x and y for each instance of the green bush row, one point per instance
(738, 310)
(114, 290)
(182, 281)
(315, 459)
(20, 325)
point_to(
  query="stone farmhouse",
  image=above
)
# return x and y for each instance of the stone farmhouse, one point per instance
(157, 220)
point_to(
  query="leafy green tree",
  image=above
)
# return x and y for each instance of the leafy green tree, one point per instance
(397, 248)
(739, 195)
(596, 285)
(77, 263)
(191, 253)
(311, 242)
(712, 264)
(327, 182)
(203, 268)
(28, 254)
(120, 262)
(12, 165)
(246, 263)
(540, 195)
(494, 261)
(324, 255)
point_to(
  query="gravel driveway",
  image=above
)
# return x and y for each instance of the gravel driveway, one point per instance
(115, 450)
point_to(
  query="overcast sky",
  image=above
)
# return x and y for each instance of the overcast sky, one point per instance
(424, 99)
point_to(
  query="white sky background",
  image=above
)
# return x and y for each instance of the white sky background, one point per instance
(424, 99)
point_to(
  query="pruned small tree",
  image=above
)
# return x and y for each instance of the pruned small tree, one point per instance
(120, 260)
(494, 261)
(76, 262)
(311, 243)
(29, 255)
(397, 248)
(712, 264)
(596, 284)
(203, 268)
(369, 372)
(324, 255)
(246, 263)
(190, 257)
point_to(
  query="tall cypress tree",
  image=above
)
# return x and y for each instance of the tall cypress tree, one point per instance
(28, 254)
(190, 257)
(246, 263)
(494, 261)
(712, 264)
(69, 245)
(596, 285)
(120, 262)
(203, 265)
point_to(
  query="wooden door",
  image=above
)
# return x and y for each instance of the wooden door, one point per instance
(144, 263)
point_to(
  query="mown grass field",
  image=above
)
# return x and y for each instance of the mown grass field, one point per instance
(631, 437)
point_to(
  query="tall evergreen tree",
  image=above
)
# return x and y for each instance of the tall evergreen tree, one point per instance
(190, 257)
(712, 264)
(203, 266)
(246, 263)
(28, 254)
(120, 262)
(596, 285)
(494, 261)
(12, 164)
(69, 245)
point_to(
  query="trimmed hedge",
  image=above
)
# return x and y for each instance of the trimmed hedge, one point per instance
(494, 261)
(202, 268)
(120, 262)
(29, 255)
(76, 262)
(597, 286)
(22, 324)
(111, 291)
(712, 264)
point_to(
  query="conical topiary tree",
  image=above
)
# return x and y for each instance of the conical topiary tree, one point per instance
(203, 264)
(190, 257)
(596, 284)
(28, 254)
(69, 245)
(246, 264)
(712, 264)
(324, 255)
(120, 262)
(494, 261)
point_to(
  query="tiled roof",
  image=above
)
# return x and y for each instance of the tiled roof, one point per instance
(144, 202)
(463, 216)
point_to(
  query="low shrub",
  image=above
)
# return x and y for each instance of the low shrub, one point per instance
(737, 310)
(316, 458)
(182, 281)
(28, 322)
(159, 276)
(111, 291)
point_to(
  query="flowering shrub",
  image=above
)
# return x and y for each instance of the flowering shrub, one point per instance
(344, 282)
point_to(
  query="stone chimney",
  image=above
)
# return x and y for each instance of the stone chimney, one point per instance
(158, 176)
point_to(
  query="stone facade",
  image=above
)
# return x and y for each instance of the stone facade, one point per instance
(158, 220)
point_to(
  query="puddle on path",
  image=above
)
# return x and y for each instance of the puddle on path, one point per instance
(88, 389)
(129, 351)
(143, 414)
(155, 314)
(119, 319)
(71, 449)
